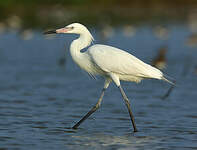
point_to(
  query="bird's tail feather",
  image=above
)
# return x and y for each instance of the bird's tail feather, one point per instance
(168, 79)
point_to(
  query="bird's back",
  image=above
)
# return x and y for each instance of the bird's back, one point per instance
(113, 60)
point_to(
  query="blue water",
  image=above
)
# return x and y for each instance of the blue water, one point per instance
(43, 93)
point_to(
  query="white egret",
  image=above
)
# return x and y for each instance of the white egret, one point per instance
(110, 62)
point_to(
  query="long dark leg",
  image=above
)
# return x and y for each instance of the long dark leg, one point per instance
(172, 82)
(126, 100)
(91, 111)
(168, 92)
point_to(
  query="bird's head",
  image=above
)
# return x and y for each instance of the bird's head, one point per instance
(75, 28)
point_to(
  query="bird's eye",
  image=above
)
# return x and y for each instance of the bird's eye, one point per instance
(72, 27)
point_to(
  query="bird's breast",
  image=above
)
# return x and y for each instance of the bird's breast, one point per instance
(84, 61)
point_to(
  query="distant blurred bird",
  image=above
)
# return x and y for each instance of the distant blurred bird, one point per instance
(14, 22)
(106, 32)
(129, 31)
(112, 63)
(61, 61)
(192, 40)
(160, 60)
(27, 34)
(195, 70)
(2, 27)
(192, 20)
(161, 32)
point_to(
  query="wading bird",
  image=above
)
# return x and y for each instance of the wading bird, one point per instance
(160, 60)
(112, 63)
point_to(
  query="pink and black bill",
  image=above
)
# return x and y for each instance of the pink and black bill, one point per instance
(50, 32)
(61, 30)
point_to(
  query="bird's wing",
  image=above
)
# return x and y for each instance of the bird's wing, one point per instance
(111, 59)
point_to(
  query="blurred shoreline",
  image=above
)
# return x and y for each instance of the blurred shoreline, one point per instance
(36, 14)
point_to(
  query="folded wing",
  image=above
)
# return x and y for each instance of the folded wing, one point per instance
(111, 59)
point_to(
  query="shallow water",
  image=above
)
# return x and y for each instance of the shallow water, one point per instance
(43, 93)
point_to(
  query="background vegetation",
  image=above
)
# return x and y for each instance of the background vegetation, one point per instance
(39, 14)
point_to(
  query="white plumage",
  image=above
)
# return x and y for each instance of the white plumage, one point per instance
(126, 66)
(112, 63)
(108, 61)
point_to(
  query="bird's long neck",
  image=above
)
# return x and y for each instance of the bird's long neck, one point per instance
(77, 45)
